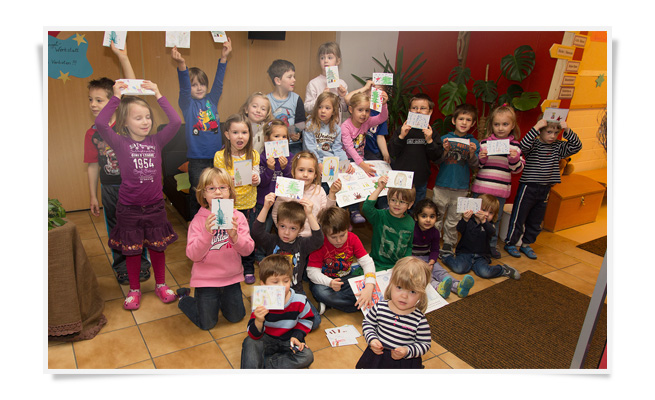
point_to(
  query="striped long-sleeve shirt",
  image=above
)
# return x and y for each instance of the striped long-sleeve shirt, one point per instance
(393, 330)
(542, 159)
(495, 174)
(294, 321)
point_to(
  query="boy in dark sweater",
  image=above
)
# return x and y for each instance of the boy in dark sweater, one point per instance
(473, 250)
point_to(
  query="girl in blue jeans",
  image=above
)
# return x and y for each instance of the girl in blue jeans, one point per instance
(473, 250)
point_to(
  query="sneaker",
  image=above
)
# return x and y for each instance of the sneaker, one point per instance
(122, 278)
(144, 275)
(527, 250)
(165, 294)
(510, 272)
(444, 287)
(446, 250)
(512, 250)
(321, 308)
(183, 292)
(357, 218)
(495, 253)
(250, 279)
(465, 285)
(133, 300)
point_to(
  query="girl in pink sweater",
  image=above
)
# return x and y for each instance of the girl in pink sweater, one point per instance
(216, 254)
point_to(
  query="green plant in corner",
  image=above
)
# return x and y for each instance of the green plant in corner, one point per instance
(514, 67)
(56, 213)
(406, 83)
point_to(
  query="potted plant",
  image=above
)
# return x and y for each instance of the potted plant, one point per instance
(56, 213)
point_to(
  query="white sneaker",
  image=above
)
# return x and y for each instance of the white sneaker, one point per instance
(321, 308)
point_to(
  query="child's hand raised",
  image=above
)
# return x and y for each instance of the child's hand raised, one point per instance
(404, 130)
(382, 182)
(118, 88)
(540, 124)
(467, 215)
(152, 86)
(283, 162)
(269, 200)
(376, 346)
(307, 205)
(255, 179)
(384, 97)
(177, 56)
(482, 216)
(342, 91)
(260, 313)
(563, 125)
(119, 53)
(336, 186)
(227, 49)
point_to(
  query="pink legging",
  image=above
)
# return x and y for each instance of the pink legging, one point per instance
(133, 264)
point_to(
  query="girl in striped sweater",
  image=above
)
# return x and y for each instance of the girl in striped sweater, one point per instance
(396, 329)
(495, 174)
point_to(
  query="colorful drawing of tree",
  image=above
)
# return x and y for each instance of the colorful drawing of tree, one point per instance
(237, 178)
(293, 188)
(329, 74)
(220, 216)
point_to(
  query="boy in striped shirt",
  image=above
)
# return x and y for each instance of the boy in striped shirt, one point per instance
(542, 152)
(276, 337)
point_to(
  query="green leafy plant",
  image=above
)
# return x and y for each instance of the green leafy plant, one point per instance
(56, 213)
(406, 83)
(514, 67)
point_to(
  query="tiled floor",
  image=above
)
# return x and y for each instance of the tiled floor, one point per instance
(159, 336)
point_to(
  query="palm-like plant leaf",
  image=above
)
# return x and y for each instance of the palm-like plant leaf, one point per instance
(526, 101)
(486, 91)
(450, 96)
(460, 75)
(519, 65)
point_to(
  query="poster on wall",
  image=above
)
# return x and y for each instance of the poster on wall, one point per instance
(68, 57)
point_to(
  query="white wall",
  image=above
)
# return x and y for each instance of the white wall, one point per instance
(357, 48)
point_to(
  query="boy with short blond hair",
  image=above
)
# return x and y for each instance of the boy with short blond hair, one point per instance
(287, 105)
(453, 179)
(341, 257)
(276, 337)
(393, 228)
(412, 149)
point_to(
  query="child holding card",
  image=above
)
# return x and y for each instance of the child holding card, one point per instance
(257, 109)
(276, 337)
(542, 153)
(473, 248)
(495, 174)
(238, 149)
(304, 167)
(285, 103)
(216, 254)
(322, 134)
(455, 166)
(329, 55)
(200, 113)
(426, 247)
(287, 241)
(412, 149)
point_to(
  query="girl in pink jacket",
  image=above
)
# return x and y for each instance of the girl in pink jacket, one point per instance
(216, 254)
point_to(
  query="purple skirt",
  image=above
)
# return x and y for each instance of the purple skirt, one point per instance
(139, 226)
(370, 360)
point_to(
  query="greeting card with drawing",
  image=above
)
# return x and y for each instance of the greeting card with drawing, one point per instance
(219, 36)
(556, 114)
(330, 171)
(243, 172)
(382, 78)
(418, 120)
(342, 335)
(332, 75)
(500, 146)
(277, 148)
(224, 210)
(271, 297)
(134, 87)
(466, 203)
(400, 179)
(376, 99)
(118, 37)
(287, 187)
(179, 39)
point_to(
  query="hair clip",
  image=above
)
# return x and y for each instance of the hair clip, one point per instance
(505, 105)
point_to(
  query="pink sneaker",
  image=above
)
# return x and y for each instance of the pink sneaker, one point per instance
(165, 294)
(133, 300)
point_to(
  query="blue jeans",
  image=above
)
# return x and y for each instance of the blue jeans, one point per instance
(272, 353)
(527, 213)
(493, 242)
(203, 309)
(343, 300)
(196, 166)
(462, 263)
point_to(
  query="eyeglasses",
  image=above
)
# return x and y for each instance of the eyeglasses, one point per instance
(398, 202)
(212, 189)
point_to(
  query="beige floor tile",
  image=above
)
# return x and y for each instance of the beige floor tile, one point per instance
(571, 281)
(231, 347)
(339, 318)
(176, 251)
(204, 356)
(147, 364)
(180, 271)
(224, 328)
(344, 357)
(171, 334)
(101, 265)
(79, 217)
(87, 231)
(436, 363)
(317, 339)
(93, 247)
(109, 288)
(437, 349)
(588, 257)
(152, 308)
(61, 356)
(451, 360)
(117, 316)
(552, 257)
(584, 271)
(111, 350)
(556, 242)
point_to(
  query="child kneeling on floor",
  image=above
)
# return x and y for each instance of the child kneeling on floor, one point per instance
(473, 250)
(276, 337)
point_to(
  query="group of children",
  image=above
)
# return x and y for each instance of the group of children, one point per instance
(313, 239)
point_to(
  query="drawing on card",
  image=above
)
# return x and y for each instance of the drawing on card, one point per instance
(556, 114)
(343, 166)
(180, 39)
(332, 75)
(242, 172)
(400, 179)
(277, 148)
(223, 209)
(418, 120)
(330, 169)
(271, 297)
(288, 187)
(465, 204)
(500, 146)
(134, 87)
(219, 36)
(382, 78)
(118, 37)
(376, 99)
